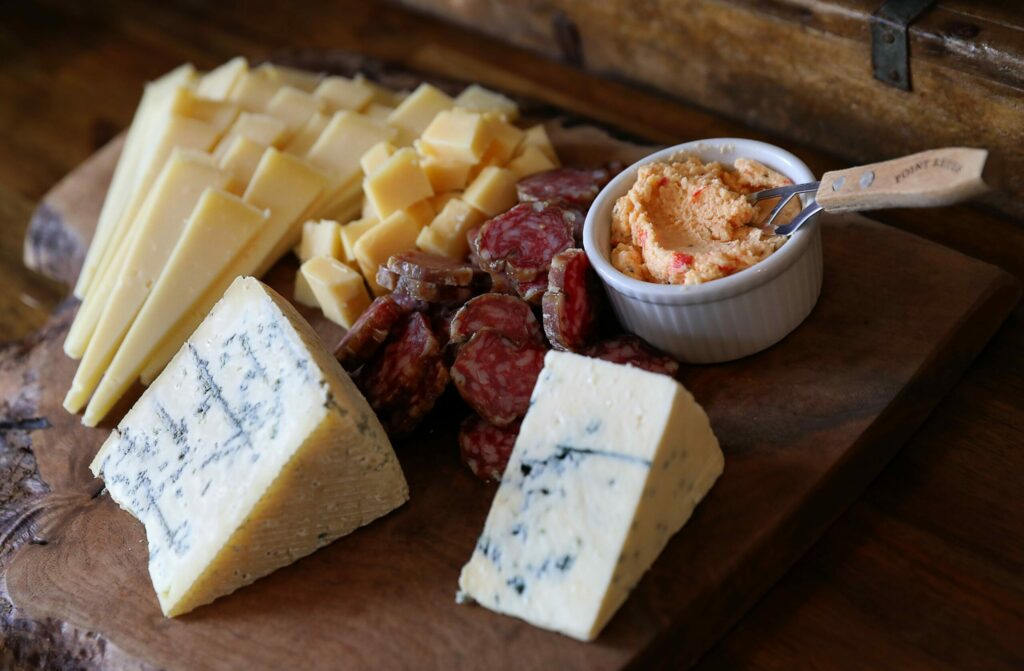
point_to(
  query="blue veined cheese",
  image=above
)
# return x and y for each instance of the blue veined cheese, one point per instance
(253, 448)
(609, 463)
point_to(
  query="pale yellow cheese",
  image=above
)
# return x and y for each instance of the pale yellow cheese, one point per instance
(415, 112)
(320, 238)
(303, 293)
(378, 113)
(445, 175)
(218, 83)
(218, 228)
(479, 99)
(254, 89)
(293, 107)
(160, 222)
(345, 94)
(493, 191)
(343, 142)
(422, 212)
(350, 234)
(240, 159)
(537, 136)
(439, 200)
(531, 161)
(395, 234)
(261, 128)
(398, 183)
(458, 135)
(338, 289)
(341, 200)
(368, 210)
(281, 75)
(505, 138)
(446, 234)
(375, 156)
(306, 137)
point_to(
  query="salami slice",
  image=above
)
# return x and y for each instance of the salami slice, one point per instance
(402, 417)
(522, 241)
(510, 316)
(420, 290)
(433, 268)
(485, 448)
(369, 332)
(635, 351)
(569, 305)
(570, 187)
(495, 376)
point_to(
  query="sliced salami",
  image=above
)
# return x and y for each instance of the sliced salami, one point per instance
(522, 241)
(433, 268)
(570, 303)
(495, 376)
(485, 448)
(570, 187)
(369, 332)
(420, 290)
(510, 316)
(402, 418)
(635, 351)
(531, 291)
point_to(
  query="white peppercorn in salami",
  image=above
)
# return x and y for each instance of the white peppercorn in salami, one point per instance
(496, 376)
(510, 316)
(369, 332)
(485, 448)
(522, 240)
(569, 305)
(635, 351)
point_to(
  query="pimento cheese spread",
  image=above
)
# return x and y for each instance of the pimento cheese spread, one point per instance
(688, 222)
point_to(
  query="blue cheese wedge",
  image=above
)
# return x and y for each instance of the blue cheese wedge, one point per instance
(610, 462)
(253, 448)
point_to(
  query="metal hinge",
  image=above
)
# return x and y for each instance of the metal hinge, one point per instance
(890, 51)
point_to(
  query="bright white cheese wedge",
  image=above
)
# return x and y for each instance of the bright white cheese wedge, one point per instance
(252, 449)
(610, 462)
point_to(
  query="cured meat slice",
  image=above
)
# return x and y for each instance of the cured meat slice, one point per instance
(406, 378)
(495, 376)
(369, 332)
(434, 268)
(522, 241)
(569, 305)
(510, 316)
(569, 187)
(485, 448)
(420, 290)
(531, 291)
(634, 350)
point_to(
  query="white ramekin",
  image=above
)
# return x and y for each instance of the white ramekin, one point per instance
(727, 318)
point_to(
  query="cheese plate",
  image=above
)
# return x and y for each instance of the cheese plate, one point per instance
(804, 426)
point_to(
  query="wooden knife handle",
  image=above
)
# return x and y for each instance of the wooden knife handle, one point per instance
(930, 178)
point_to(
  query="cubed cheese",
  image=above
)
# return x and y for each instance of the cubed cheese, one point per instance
(340, 291)
(505, 139)
(320, 238)
(477, 98)
(395, 234)
(422, 212)
(445, 175)
(531, 161)
(343, 142)
(416, 111)
(345, 94)
(458, 135)
(378, 113)
(350, 234)
(493, 191)
(375, 157)
(446, 234)
(537, 136)
(398, 183)
(303, 293)
(609, 463)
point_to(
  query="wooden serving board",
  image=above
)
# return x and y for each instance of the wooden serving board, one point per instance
(805, 426)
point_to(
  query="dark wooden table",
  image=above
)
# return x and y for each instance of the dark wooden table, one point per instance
(925, 570)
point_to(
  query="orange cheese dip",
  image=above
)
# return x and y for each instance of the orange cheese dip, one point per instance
(689, 222)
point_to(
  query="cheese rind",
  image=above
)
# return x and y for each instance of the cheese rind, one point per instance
(609, 463)
(252, 449)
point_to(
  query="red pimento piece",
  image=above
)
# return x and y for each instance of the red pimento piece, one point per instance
(696, 194)
(485, 448)
(680, 260)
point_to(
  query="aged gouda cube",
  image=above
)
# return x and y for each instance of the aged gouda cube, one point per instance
(320, 238)
(458, 135)
(446, 234)
(375, 156)
(537, 136)
(417, 110)
(505, 138)
(345, 94)
(395, 234)
(343, 142)
(477, 98)
(397, 184)
(350, 233)
(303, 294)
(532, 160)
(422, 212)
(338, 289)
(493, 191)
(445, 175)
(293, 107)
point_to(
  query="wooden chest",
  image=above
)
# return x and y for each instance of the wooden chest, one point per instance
(803, 69)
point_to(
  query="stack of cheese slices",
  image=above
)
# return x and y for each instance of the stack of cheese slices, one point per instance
(220, 171)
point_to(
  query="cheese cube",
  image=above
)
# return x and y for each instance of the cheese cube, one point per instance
(395, 234)
(345, 94)
(339, 290)
(445, 175)
(505, 139)
(414, 114)
(293, 107)
(320, 238)
(375, 157)
(422, 212)
(531, 161)
(378, 113)
(241, 159)
(593, 491)
(458, 135)
(537, 136)
(479, 99)
(343, 142)
(439, 200)
(252, 449)
(398, 183)
(303, 294)
(446, 234)
(350, 234)
(493, 191)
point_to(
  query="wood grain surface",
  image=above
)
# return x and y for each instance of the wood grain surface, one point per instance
(922, 572)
